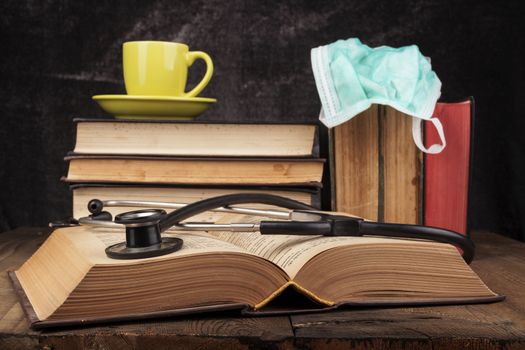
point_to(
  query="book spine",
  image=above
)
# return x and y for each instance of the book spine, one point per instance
(377, 167)
(171, 138)
(447, 174)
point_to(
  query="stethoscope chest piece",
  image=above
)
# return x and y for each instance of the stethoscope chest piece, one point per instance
(143, 239)
(122, 251)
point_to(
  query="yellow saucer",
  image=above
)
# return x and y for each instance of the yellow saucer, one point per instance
(153, 107)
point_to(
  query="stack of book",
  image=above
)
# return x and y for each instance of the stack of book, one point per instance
(188, 161)
(70, 281)
(378, 172)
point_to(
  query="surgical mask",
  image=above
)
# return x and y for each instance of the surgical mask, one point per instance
(351, 76)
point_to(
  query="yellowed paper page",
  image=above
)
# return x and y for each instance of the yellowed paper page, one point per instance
(92, 242)
(288, 252)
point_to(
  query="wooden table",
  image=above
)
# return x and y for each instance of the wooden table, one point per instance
(500, 263)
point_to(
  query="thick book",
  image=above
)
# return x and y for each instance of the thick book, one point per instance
(447, 174)
(83, 193)
(376, 168)
(70, 280)
(185, 170)
(211, 139)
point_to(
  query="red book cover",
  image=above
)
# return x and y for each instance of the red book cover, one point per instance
(447, 173)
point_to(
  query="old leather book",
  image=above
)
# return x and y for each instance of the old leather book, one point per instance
(192, 139)
(447, 174)
(198, 170)
(70, 280)
(376, 167)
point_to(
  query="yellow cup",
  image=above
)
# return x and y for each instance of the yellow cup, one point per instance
(161, 68)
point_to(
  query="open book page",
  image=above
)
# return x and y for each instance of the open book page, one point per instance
(288, 252)
(92, 243)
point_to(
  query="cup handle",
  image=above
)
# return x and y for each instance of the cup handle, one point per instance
(191, 57)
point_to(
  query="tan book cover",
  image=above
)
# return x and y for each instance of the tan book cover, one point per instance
(186, 170)
(211, 139)
(377, 168)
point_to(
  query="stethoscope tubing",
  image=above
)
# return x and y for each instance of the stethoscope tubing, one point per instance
(326, 224)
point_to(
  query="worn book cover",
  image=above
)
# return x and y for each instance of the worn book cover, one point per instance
(376, 168)
(447, 174)
(194, 170)
(190, 138)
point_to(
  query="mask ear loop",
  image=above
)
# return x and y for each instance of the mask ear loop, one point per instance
(418, 139)
(322, 117)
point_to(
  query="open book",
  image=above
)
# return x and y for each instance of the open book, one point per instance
(70, 280)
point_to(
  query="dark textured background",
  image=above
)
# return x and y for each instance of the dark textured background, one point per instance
(57, 54)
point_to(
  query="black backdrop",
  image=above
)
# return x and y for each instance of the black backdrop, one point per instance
(57, 54)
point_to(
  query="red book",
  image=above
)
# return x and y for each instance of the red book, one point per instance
(447, 173)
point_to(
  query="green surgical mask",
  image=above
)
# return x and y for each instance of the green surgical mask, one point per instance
(351, 76)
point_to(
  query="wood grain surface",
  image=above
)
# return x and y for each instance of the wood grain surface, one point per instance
(500, 263)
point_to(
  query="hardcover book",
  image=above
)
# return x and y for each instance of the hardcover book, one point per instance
(376, 168)
(209, 139)
(70, 280)
(447, 174)
(184, 170)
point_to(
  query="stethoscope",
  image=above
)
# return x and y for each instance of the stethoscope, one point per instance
(143, 227)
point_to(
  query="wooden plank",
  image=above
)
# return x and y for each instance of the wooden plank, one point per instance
(409, 328)
(16, 247)
(402, 163)
(189, 333)
(357, 165)
(500, 263)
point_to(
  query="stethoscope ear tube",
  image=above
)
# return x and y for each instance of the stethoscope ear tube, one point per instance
(302, 228)
(346, 226)
(303, 220)
(420, 232)
(195, 208)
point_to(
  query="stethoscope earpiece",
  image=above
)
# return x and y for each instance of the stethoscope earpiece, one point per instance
(95, 206)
